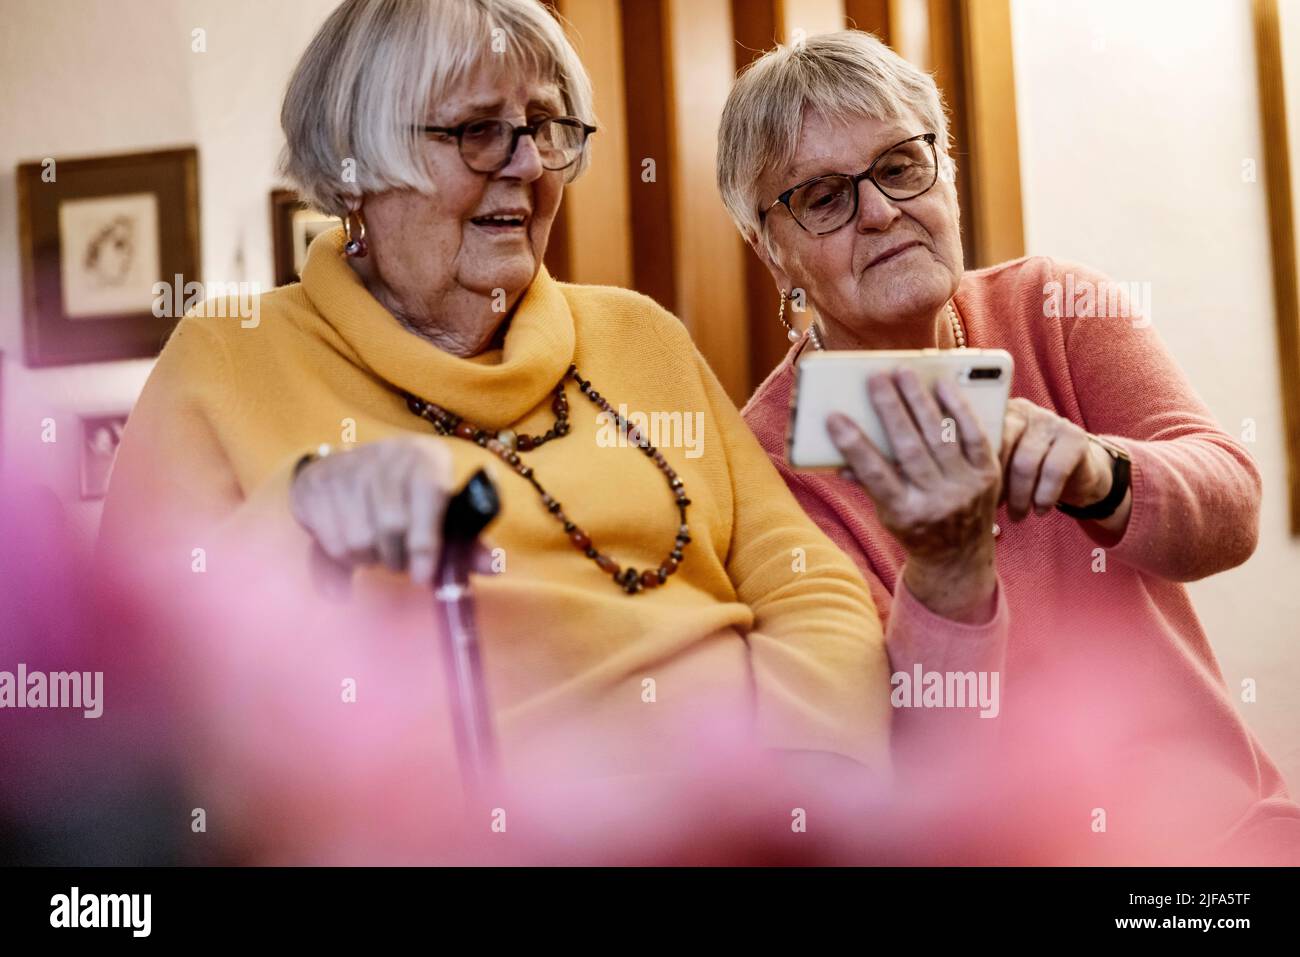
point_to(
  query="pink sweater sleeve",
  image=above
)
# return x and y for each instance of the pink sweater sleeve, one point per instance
(917, 638)
(1196, 492)
(913, 633)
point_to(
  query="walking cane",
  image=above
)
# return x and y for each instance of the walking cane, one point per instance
(469, 511)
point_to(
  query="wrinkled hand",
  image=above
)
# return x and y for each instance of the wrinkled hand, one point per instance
(378, 503)
(941, 497)
(1047, 459)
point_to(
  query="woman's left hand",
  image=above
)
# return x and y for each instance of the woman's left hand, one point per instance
(1047, 459)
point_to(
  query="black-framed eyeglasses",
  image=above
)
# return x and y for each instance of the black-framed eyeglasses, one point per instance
(824, 203)
(487, 145)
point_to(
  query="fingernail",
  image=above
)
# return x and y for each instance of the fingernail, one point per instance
(840, 428)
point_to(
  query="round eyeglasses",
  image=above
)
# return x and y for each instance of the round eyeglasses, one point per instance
(488, 145)
(824, 203)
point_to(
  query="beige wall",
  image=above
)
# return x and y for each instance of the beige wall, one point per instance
(48, 108)
(84, 78)
(1134, 124)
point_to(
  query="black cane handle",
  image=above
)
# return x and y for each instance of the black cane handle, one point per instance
(471, 509)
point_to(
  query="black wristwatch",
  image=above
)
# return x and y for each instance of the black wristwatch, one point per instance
(1121, 466)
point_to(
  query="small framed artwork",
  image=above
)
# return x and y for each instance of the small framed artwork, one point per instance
(294, 225)
(100, 437)
(95, 236)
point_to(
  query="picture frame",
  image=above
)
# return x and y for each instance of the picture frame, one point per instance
(101, 435)
(95, 236)
(294, 224)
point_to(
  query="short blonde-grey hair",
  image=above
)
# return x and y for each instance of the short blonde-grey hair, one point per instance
(843, 76)
(376, 66)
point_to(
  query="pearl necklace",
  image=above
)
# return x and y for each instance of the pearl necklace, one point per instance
(954, 321)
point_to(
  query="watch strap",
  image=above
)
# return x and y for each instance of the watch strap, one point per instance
(1120, 475)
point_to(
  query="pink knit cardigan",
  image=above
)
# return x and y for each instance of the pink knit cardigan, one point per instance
(1107, 668)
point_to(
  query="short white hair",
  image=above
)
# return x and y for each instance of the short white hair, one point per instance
(376, 66)
(843, 76)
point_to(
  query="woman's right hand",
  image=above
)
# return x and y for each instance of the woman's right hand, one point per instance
(940, 499)
(380, 502)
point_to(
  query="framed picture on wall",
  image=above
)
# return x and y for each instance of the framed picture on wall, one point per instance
(294, 225)
(100, 437)
(95, 235)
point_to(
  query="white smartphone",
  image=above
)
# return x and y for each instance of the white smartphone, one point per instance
(827, 382)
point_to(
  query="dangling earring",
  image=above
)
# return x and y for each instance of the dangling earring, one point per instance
(791, 332)
(355, 247)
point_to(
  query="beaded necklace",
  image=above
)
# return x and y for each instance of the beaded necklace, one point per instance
(506, 445)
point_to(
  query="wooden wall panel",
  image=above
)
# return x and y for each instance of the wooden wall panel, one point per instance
(994, 207)
(709, 250)
(810, 16)
(1281, 230)
(948, 63)
(869, 15)
(909, 22)
(556, 256)
(598, 229)
(757, 27)
(648, 105)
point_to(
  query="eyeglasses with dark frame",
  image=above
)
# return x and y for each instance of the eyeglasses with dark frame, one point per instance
(825, 203)
(487, 145)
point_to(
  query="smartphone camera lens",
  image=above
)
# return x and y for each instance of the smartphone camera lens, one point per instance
(987, 373)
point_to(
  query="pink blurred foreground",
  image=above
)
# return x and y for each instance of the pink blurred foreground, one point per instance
(225, 693)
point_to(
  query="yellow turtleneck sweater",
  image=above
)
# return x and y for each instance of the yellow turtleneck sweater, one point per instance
(765, 615)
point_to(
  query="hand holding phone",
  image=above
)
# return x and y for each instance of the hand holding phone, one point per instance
(936, 488)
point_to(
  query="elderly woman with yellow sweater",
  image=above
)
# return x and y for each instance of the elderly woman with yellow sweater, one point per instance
(426, 341)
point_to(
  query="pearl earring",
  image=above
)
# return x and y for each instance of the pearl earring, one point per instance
(791, 332)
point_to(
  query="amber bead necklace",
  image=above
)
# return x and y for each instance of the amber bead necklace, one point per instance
(506, 445)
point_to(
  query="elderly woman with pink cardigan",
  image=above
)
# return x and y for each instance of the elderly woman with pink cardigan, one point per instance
(1060, 562)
